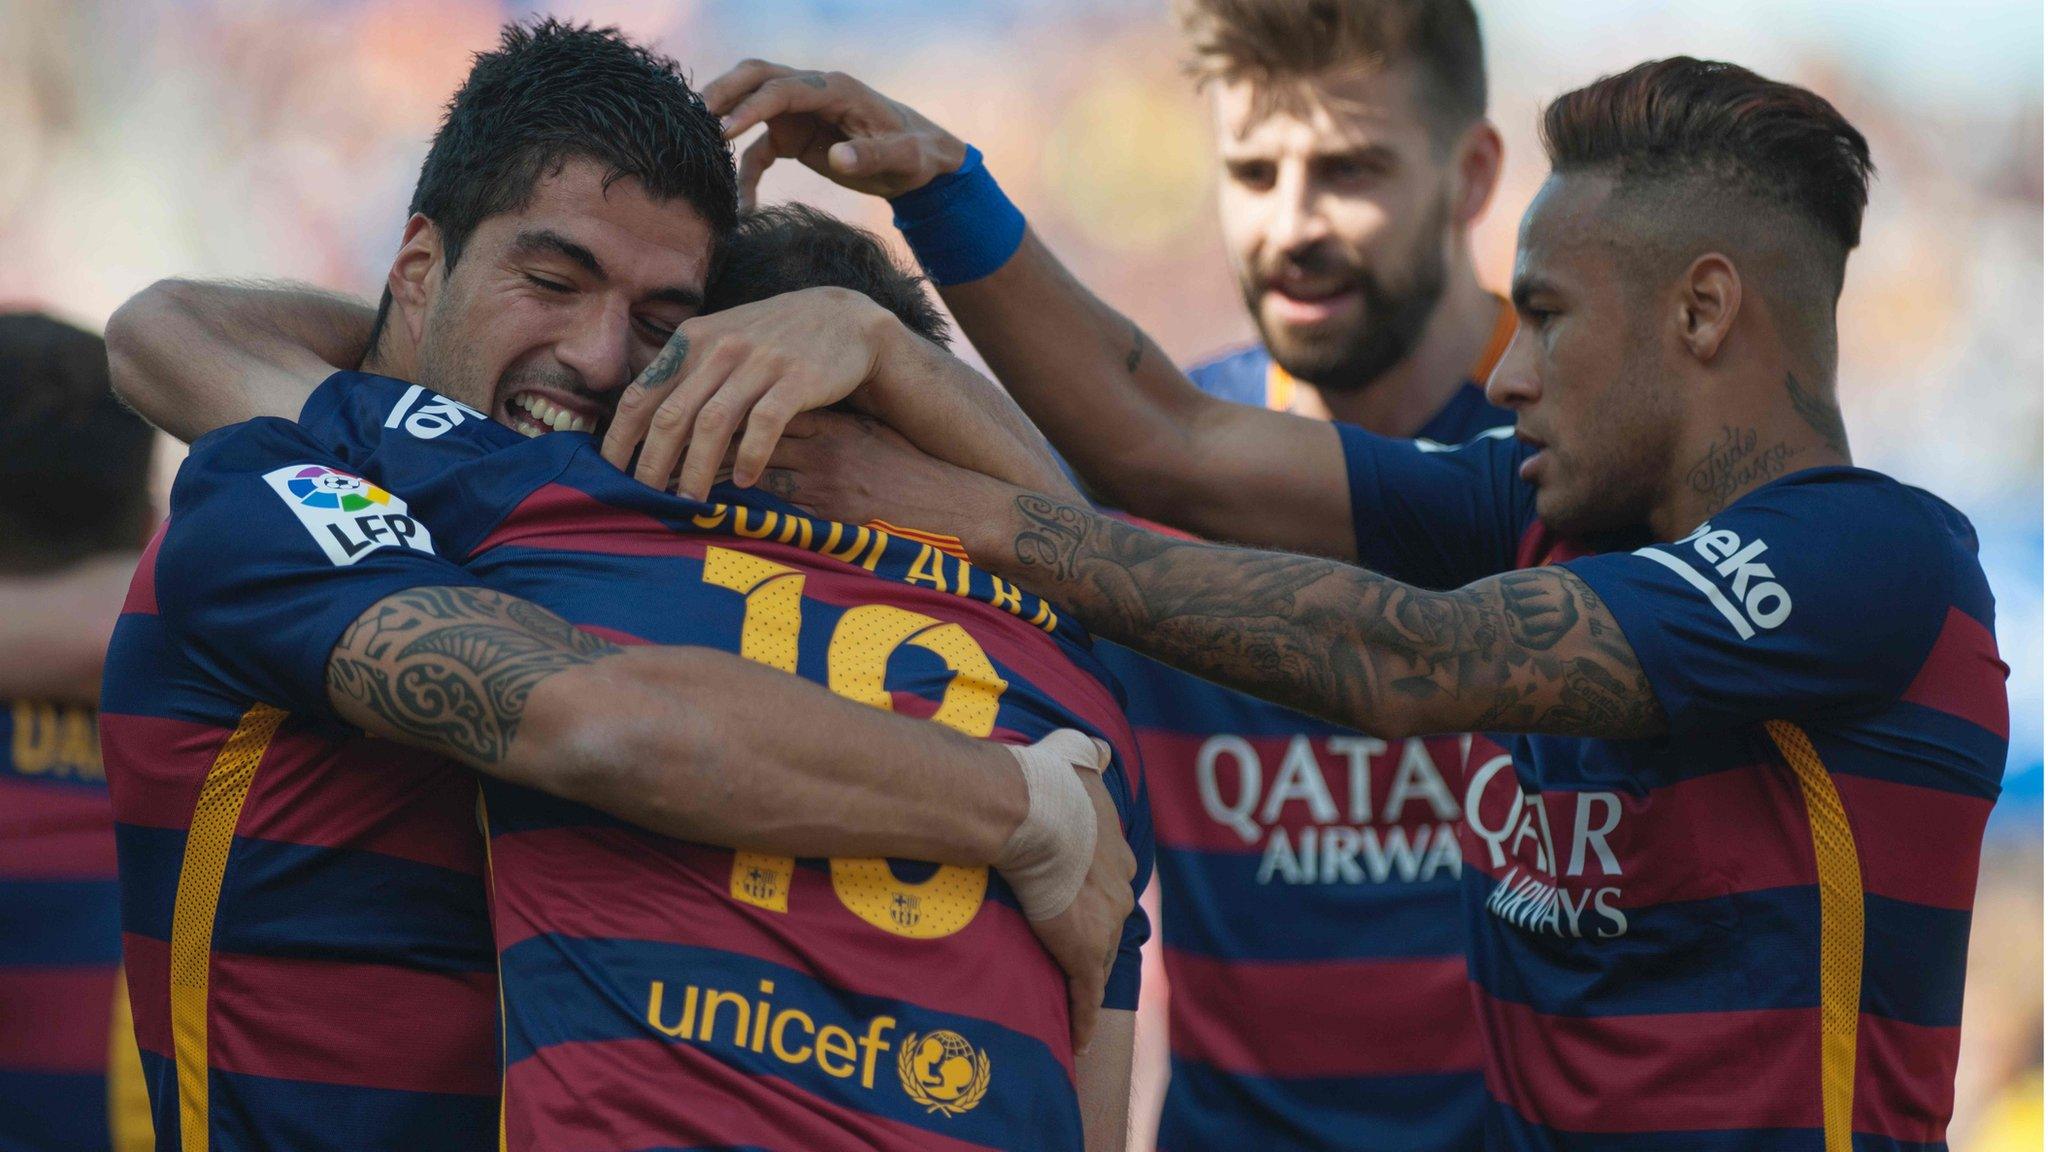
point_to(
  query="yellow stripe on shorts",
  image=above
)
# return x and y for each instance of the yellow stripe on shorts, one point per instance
(199, 879)
(1841, 931)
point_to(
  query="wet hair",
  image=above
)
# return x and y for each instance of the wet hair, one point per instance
(1273, 44)
(789, 247)
(1699, 140)
(553, 92)
(75, 461)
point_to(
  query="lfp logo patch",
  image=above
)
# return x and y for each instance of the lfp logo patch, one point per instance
(348, 516)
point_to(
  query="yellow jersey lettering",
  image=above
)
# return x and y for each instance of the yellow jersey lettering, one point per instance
(800, 1055)
(835, 1042)
(712, 999)
(761, 1014)
(874, 555)
(741, 527)
(1008, 596)
(712, 519)
(796, 530)
(852, 549)
(927, 568)
(762, 1026)
(682, 1027)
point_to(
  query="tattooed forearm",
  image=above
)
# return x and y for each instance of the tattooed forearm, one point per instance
(451, 668)
(1530, 651)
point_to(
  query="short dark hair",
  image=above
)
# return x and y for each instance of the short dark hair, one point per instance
(74, 461)
(554, 91)
(1684, 121)
(1271, 43)
(789, 247)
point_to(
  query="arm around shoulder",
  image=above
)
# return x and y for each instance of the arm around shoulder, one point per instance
(193, 356)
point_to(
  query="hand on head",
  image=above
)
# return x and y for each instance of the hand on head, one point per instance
(835, 125)
(745, 371)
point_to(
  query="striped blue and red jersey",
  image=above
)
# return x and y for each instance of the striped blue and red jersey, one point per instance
(60, 929)
(1749, 933)
(660, 994)
(304, 913)
(1308, 880)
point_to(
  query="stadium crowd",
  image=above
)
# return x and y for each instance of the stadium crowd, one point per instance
(1371, 934)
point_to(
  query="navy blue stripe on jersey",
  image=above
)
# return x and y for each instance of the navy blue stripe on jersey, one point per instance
(1212, 1109)
(1736, 953)
(1231, 917)
(61, 923)
(263, 1114)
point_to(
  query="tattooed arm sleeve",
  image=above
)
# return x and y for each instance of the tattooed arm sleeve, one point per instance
(450, 669)
(1526, 651)
(690, 742)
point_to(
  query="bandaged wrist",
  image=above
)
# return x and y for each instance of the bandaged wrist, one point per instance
(960, 226)
(1046, 859)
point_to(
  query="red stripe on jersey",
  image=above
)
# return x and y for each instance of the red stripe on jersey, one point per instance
(666, 892)
(1963, 675)
(713, 1105)
(1421, 793)
(559, 517)
(147, 961)
(1679, 1072)
(55, 1019)
(1420, 1013)
(950, 545)
(1905, 1079)
(1914, 838)
(364, 1025)
(142, 587)
(1540, 546)
(367, 796)
(55, 831)
(155, 766)
(1760, 838)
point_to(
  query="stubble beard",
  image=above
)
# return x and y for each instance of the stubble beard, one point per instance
(1391, 322)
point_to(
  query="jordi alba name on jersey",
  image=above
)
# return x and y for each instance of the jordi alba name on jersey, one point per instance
(664, 994)
(1308, 880)
(1751, 932)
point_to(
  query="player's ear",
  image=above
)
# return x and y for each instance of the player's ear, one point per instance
(1476, 171)
(415, 271)
(1709, 298)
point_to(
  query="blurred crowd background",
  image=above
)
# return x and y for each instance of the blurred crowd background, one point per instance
(144, 138)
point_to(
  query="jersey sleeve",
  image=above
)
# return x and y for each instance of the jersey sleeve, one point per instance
(1809, 598)
(1434, 515)
(1122, 990)
(272, 551)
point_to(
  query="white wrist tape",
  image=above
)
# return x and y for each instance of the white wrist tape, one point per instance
(1047, 857)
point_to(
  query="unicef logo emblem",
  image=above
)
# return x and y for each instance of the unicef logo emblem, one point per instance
(318, 487)
(942, 1071)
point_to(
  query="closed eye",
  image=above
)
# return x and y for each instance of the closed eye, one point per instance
(547, 285)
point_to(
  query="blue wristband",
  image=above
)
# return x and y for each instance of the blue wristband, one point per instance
(960, 226)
